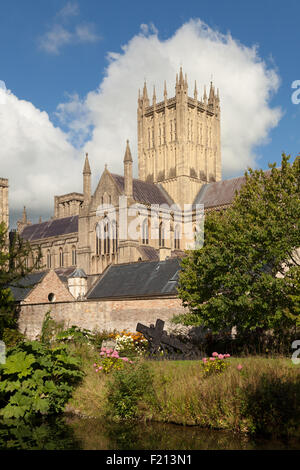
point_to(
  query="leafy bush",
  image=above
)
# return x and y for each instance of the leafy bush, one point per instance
(100, 336)
(110, 360)
(12, 337)
(75, 335)
(272, 405)
(130, 343)
(214, 364)
(125, 389)
(50, 328)
(36, 380)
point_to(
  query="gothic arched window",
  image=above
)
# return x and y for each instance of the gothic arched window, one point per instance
(61, 258)
(106, 238)
(114, 236)
(177, 237)
(74, 256)
(161, 234)
(48, 259)
(145, 232)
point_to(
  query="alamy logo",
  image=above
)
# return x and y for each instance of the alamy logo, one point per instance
(295, 358)
(2, 352)
(139, 222)
(3, 92)
(296, 95)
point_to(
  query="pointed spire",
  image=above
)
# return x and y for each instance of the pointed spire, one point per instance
(205, 95)
(154, 96)
(181, 77)
(165, 90)
(211, 93)
(195, 91)
(24, 218)
(86, 168)
(145, 94)
(127, 156)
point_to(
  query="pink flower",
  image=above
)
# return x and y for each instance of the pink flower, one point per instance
(103, 349)
(214, 354)
(95, 365)
(130, 362)
(124, 359)
(239, 367)
(227, 355)
(102, 353)
(204, 359)
(212, 358)
(100, 368)
(96, 370)
(220, 356)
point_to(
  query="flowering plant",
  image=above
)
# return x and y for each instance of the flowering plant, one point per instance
(214, 364)
(110, 360)
(127, 342)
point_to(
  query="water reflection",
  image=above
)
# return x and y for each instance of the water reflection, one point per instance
(155, 436)
(67, 433)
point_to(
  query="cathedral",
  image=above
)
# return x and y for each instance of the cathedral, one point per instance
(179, 165)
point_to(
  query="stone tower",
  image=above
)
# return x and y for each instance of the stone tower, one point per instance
(4, 210)
(179, 140)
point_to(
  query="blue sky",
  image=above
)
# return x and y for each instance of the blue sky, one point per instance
(54, 62)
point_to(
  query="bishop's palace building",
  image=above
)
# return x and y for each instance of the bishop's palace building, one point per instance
(179, 162)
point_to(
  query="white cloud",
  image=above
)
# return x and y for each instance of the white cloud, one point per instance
(246, 85)
(58, 35)
(36, 157)
(41, 160)
(69, 10)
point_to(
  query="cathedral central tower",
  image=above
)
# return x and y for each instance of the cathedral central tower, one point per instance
(179, 140)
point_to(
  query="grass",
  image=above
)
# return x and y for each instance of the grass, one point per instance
(262, 397)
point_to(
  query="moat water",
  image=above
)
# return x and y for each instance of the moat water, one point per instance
(73, 433)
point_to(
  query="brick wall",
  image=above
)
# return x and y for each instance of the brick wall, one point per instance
(50, 284)
(99, 315)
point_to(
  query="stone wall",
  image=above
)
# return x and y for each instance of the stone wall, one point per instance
(99, 315)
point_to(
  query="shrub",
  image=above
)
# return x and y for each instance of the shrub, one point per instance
(131, 343)
(50, 328)
(214, 364)
(110, 360)
(12, 337)
(37, 380)
(125, 389)
(74, 335)
(100, 336)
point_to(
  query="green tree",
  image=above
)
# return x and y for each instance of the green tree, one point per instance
(247, 273)
(13, 255)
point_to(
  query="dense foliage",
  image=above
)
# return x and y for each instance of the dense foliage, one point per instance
(37, 380)
(247, 273)
(13, 255)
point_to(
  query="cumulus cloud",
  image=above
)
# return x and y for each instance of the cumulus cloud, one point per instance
(36, 157)
(245, 82)
(41, 160)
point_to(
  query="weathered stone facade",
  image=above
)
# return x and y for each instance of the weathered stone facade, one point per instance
(100, 314)
(178, 154)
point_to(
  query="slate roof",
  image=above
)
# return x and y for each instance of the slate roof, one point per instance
(21, 289)
(149, 253)
(24, 286)
(141, 279)
(51, 228)
(143, 192)
(220, 193)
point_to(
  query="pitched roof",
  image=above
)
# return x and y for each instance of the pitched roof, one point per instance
(147, 193)
(142, 279)
(24, 286)
(50, 228)
(149, 253)
(219, 193)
